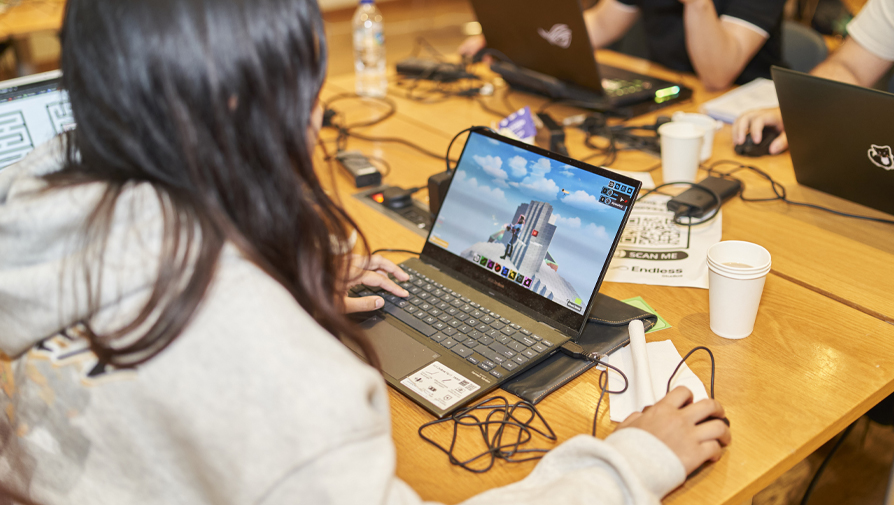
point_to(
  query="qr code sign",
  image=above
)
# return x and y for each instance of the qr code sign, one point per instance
(655, 231)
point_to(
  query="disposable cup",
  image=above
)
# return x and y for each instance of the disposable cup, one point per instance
(705, 122)
(736, 274)
(680, 149)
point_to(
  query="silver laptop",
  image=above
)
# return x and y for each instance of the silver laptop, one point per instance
(841, 137)
(508, 274)
(32, 111)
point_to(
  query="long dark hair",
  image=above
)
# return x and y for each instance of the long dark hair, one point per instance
(209, 101)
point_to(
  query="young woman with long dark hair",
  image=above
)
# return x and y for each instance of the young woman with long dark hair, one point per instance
(172, 280)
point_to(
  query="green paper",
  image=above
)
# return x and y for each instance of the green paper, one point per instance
(641, 304)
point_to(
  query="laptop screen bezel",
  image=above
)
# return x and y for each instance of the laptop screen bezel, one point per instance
(519, 297)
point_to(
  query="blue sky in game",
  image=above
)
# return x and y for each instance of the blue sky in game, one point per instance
(494, 178)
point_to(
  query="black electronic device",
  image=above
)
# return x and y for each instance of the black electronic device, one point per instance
(437, 190)
(358, 165)
(397, 198)
(762, 148)
(551, 136)
(418, 68)
(839, 136)
(695, 202)
(543, 47)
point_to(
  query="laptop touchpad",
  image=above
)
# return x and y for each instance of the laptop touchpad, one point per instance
(399, 353)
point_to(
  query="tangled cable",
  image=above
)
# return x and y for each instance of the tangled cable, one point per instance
(504, 430)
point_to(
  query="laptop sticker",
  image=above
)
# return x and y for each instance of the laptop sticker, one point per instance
(880, 156)
(559, 35)
(440, 385)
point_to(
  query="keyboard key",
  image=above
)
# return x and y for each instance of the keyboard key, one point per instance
(525, 332)
(492, 333)
(474, 359)
(448, 342)
(434, 312)
(524, 340)
(473, 304)
(447, 298)
(506, 321)
(510, 365)
(486, 365)
(503, 339)
(483, 328)
(414, 290)
(462, 350)
(445, 317)
(437, 337)
(486, 341)
(421, 314)
(546, 342)
(464, 329)
(536, 337)
(416, 300)
(471, 343)
(392, 298)
(461, 316)
(520, 359)
(425, 306)
(508, 330)
(429, 320)
(471, 322)
(452, 311)
(515, 346)
(438, 292)
(496, 373)
(456, 302)
(466, 308)
(404, 317)
(411, 310)
(443, 305)
(425, 296)
(502, 349)
(490, 354)
(476, 313)
(538, 347)
(475, 334)
(486, 319)
(494, 315)
(403, 304)
(450, 331)
(439, 325)
(497, 325)
(529, 353)
(428, 287)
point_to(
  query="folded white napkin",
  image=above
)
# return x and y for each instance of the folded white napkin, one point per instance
(647, 367)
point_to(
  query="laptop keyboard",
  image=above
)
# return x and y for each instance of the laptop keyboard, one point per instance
(473, 332)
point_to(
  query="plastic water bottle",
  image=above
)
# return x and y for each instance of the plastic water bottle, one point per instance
(369, 50)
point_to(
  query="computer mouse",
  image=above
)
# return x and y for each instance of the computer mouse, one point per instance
(749, 148)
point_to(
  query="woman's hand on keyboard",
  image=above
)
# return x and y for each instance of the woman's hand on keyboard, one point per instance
(373, 271)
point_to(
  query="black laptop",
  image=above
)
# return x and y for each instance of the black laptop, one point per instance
(549, 53)
(508, 274)
(841, 137)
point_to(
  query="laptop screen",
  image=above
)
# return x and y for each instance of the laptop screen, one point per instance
(544, 225)
(32, 111)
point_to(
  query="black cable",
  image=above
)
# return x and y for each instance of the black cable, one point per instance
(493, 429)
(680, 364)
(779, 191)
(470, 129)
(819, 471)
(708, 190)
(604, 388)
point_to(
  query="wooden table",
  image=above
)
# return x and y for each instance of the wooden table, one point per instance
(821, 355)
(30, 16)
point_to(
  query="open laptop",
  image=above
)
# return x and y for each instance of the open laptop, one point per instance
(508, 274)
(32, 111)
(551, 54)
(841, 137)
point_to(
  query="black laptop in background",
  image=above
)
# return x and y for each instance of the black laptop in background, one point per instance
(550, 54)
(841, 137)
(508, 274)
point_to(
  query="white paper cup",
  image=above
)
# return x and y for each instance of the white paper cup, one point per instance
(681, 145)
(707, 123)
(736, 274)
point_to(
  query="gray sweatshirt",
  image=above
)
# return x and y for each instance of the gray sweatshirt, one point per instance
(253, 403)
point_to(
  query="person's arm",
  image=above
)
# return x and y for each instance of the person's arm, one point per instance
(851, 63)
(608, 21)
(718, 48)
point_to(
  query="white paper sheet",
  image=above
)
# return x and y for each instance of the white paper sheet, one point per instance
(654, 250)
(663, 358)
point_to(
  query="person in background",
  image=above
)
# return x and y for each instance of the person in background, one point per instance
(724, 42)
(172, 290)
(864, 57)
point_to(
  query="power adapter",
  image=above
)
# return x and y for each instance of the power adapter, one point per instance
(418, 68)
(552, 135)
(696, 202)
(359, 167)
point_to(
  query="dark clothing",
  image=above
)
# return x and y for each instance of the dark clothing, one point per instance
(666, 38)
